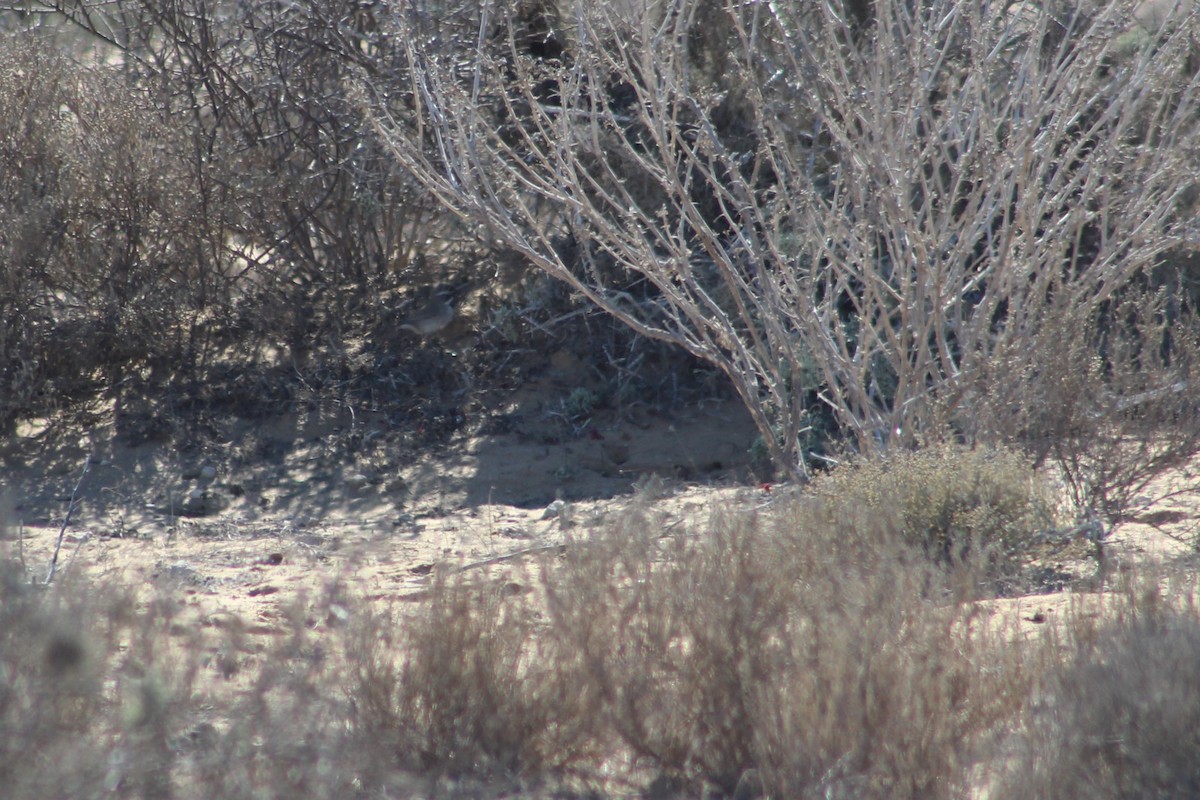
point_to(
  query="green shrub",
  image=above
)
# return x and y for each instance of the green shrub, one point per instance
(955, 503)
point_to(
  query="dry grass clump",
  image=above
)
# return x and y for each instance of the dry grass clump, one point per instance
(275, 726)
(969, 506)
(780, 653)
(104, 695)
(468, 685)
(84, 692)
(804, 649)
(1121, 717)
(49, 694)
(791, 653)
(795, 651)
(783, 653)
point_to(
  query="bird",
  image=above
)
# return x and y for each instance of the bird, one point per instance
(430, 318)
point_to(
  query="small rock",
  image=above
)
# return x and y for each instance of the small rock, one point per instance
(357, 484)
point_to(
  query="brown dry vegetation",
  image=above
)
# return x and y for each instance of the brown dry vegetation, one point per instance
(805, 647)
(946, 252)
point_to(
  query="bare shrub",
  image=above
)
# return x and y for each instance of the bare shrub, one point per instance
(870, 227)
(100, 222)
(190, 194)
(1120, 716)
(1118, 418)
(285, 169)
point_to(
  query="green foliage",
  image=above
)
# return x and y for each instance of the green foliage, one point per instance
(580, 403)
(951, 501)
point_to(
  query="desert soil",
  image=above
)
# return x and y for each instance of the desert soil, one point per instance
(277, 514)
(249, 538)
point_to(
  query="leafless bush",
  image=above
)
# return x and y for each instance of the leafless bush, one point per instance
(190, 199)
(285, 169)
(889, 227)
(1115, 420)
(100, 274)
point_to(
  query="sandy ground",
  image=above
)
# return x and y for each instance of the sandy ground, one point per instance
(249, 539)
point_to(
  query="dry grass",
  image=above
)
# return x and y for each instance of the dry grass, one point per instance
(107, 695)
(468, 686)
(790, 651)
(806, 649)
(1120, 716)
